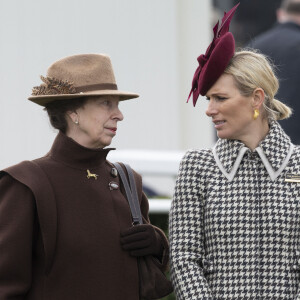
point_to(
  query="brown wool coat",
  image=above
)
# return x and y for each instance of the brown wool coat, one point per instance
(69, 248)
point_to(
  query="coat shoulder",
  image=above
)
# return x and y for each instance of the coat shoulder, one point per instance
(23, 171)
(9, 182)
(297, 149)
(198, 157)
(295, 158)
(196, 164)
(14, 170)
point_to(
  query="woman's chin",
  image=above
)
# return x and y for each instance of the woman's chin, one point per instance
(223, 135)
(104, 142)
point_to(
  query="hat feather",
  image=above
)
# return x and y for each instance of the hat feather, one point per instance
(53, 86)
(226, 21)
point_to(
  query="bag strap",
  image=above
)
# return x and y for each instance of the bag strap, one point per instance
(131, 193)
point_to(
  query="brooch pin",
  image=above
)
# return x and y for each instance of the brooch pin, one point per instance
(292, 178)
(90, 175)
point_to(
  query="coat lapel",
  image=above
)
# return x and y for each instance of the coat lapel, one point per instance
(274, 151)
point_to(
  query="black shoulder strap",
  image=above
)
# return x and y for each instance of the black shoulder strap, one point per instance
(31, 174)
(131, 193)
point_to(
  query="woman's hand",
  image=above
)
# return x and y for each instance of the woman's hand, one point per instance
(141, 240)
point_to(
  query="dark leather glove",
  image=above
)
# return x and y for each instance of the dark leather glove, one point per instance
(141, 240)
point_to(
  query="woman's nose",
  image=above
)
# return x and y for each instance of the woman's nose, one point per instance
(118, 114)
(211, 109)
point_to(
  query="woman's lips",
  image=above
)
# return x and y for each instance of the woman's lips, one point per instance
(112, 129)
(219, 124)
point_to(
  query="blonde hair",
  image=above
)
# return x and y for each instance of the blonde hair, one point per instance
(252, 70)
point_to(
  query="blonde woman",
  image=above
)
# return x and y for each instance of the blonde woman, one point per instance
(234, 222)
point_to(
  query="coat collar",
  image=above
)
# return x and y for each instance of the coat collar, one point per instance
(274, 151)
(67, 151)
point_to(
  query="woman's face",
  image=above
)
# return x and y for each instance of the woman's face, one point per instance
(231, 112)
(97, 121)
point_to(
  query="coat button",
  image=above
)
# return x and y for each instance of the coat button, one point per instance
(113, 185)
(114, 172)
(295, 267)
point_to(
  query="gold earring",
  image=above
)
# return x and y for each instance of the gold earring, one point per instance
(256, 114)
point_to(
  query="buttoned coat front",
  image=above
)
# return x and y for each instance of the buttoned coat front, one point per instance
(234, 222)
(67, 246)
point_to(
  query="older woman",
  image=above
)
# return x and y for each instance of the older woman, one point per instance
(65, 225)
(234, 223)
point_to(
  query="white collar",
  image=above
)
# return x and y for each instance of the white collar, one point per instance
(275, 152)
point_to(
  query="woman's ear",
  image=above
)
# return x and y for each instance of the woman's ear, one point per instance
(258, 98)
(73, 116)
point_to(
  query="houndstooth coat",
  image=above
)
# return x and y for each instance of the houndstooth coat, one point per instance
(234, 221)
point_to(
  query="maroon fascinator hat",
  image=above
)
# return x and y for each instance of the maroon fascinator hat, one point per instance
(216, 58)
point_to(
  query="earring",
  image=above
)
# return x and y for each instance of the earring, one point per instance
(256, 114)
(76, 122)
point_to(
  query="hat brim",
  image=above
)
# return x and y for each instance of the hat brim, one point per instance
(43, 100)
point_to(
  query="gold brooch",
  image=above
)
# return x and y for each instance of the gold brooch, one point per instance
(89, 175)
(292, 178)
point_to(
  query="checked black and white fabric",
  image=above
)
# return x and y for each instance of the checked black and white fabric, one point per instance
(235, 223)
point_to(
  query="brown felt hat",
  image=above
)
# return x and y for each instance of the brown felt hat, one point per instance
(78, 76)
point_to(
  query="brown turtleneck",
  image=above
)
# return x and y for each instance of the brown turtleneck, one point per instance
(88, 261)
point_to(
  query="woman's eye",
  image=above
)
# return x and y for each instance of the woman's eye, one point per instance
(221, 98)
(105, 102)
(216, 98)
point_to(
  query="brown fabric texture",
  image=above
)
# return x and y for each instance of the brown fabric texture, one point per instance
(76, 76)
(88, 261)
